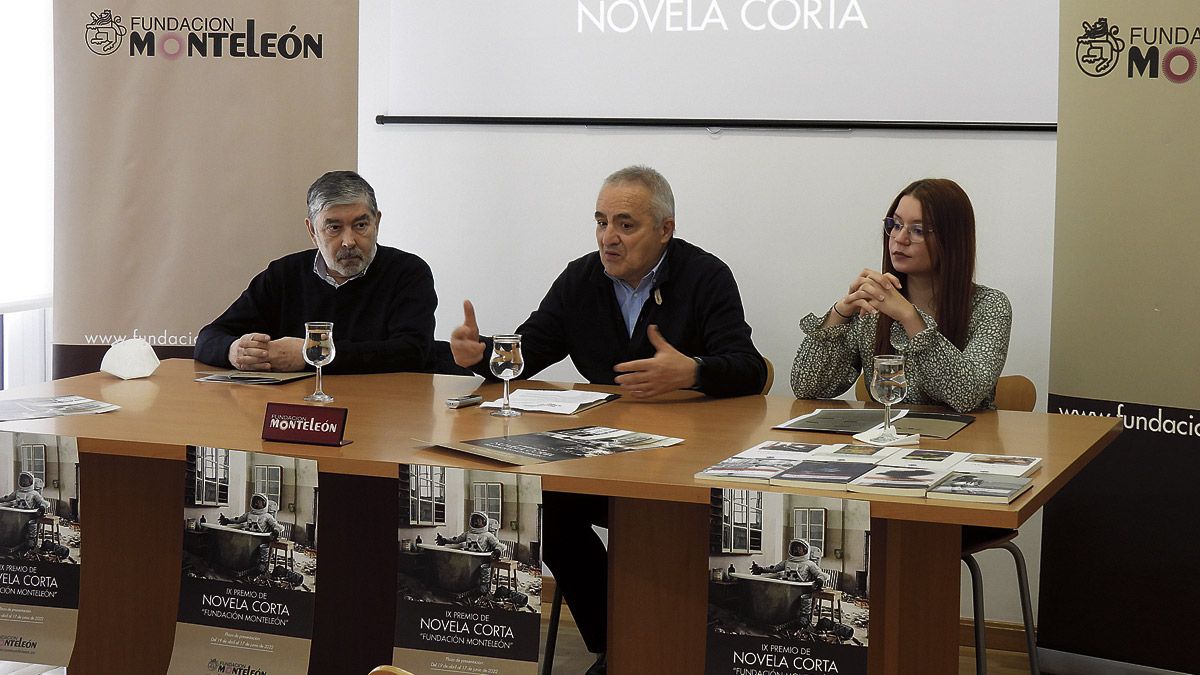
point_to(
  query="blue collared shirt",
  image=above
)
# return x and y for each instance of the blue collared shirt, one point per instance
(322, 270)
(630, 299)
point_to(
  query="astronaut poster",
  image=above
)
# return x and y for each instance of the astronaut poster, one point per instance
(248, 584)
(39, 548)
(469, 574)
(788, 588)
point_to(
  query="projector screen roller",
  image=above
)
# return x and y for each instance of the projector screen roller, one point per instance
(964, 61)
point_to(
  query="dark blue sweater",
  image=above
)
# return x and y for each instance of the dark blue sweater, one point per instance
(382, 322)
(700, 314)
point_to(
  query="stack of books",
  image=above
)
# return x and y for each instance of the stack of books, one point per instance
(911, 472)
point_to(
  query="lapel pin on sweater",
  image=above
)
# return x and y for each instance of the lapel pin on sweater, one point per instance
(658, 297)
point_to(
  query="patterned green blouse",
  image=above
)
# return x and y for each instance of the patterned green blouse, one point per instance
(830, 359)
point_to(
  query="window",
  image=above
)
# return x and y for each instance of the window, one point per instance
(487, 499)
(208, 470)
(267, 480)
(741, 521)
(426, 487)
(31, 457)
(810, 524)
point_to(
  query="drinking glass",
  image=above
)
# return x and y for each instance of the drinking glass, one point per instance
(506, 364)
(888, 386)
(318, 351)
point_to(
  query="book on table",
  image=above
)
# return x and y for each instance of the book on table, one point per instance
(924, 458)
(980, 487)
(1006, 465)
(759, 463)
(839, 420)
(821, 475)
(896, 480)
(854, 452)
(931, 424)
(857, 420)
(560, 444)
(250, 377)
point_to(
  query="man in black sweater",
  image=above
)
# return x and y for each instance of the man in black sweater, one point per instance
(646, 311)
(380, 299)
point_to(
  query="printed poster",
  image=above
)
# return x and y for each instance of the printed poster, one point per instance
(788, 589)
(469, 572)
(39, 548)
(249, 564)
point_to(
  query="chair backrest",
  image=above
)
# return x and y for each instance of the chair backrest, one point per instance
(835, 579)
(770, 376)
(1015, 392)
(287, 531)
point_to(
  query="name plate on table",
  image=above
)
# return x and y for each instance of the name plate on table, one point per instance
(311, 424)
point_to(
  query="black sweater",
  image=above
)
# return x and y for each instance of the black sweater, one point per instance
(700, 314)
(382, 322)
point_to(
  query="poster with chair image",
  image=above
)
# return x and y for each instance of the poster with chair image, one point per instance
(40, 548)
(788, 592)
(249, 573)
(469, 579)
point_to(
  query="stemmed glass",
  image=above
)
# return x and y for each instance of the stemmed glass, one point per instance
(888, 386)
(318, 351)
(506, 364)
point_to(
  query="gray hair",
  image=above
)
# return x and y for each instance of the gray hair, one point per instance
(339, 187)
(662, 200)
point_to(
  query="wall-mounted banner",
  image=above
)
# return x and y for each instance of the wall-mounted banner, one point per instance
(186, 135)
(1124, 333)
(470, 572)
(787, 588)
(39, 548)
(249, 563)
(937, 60)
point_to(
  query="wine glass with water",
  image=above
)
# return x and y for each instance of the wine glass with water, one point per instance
(888, 386)
(318, 352)
(506, 364)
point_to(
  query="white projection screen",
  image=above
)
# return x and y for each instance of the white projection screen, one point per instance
(952, 61)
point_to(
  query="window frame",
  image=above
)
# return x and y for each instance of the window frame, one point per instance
(426, 485)
(265, 483)
(488, 500)
(211, 467)
(28, 461)
(806, 531)
(741, 521)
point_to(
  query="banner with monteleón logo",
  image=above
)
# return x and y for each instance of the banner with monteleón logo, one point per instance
(1119, 542)
(186, 136)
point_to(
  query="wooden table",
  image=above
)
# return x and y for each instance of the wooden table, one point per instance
(914, 624)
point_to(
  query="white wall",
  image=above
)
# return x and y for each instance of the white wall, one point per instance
(498, 211)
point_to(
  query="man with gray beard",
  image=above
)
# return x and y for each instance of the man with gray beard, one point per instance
(380, 299)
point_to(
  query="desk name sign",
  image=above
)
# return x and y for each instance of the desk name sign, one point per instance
(310, 424)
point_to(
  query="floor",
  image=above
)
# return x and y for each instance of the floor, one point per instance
(572, 658)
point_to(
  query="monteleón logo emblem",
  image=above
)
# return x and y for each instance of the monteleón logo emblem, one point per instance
(103, 35)
(1099, 48)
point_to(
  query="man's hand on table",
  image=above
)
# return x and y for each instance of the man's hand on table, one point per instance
(258, 352)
